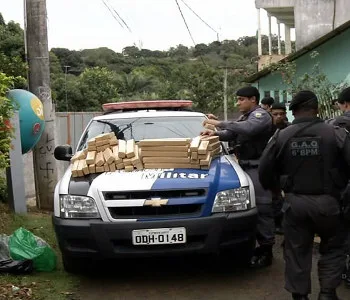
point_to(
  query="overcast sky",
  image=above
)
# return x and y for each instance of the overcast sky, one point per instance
(155, 24)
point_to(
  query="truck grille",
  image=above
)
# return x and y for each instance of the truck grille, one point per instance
(149, 211)
(163, 194)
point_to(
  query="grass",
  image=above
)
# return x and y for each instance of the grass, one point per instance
(56, 285)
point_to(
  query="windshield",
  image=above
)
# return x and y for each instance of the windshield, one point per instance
(145, 128)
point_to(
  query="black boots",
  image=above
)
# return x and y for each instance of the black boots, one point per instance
(300, 297)
(262, 257)
(328, 294)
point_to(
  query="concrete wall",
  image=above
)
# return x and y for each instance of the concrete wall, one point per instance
(313, 18)
(274, 3)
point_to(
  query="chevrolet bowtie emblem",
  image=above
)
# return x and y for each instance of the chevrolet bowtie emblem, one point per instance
(156, 202)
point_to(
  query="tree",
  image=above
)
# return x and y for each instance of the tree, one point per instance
(132, 85)
(98, 86)
(6, 131)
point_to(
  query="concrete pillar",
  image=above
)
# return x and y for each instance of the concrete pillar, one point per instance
(270, 37)
(259, 34)
(287, 43)
(279, 37)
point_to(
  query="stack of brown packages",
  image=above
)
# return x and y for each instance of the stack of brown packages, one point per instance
(105, 153)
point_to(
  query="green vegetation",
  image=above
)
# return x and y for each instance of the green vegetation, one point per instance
(56, 285)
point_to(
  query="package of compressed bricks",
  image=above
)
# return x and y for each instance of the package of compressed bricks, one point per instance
(105, 153)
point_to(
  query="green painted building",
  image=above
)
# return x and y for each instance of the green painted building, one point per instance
(333, 58)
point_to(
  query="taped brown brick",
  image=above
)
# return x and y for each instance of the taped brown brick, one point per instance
(139, 166)
(170, 166)
(91, 148)
(122, 149)
(210, 127)
(100, 169)
(194, 155)
(206, 161)
(136, 159)
(117, 159)
(129, 168)
(78, 155)
(195, 144)
(213, 146)
(182, 160)
(203, 147)
(74, 168)
(85, 167)
(145, 153)
(211, 139)
(130, 149)
(80, 168)
(113, 141)
(100, 137)
(120, 166)
(90, 158)
(112, 167)
(164, 142)
(106, 167)
(127, 162)
(167, 148)
(91, 142)
(92, 169)
(99, 161)
(108, 156)
(102, 143)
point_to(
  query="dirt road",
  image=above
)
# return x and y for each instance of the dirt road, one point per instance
(191, 278)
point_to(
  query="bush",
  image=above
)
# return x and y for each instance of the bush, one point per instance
(6, 130)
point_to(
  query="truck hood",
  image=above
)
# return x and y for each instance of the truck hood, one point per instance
(222, 175)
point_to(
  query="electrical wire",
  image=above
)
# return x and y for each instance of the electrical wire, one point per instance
(119, 16)
(200, 18)
(188, 29)
(121, 25)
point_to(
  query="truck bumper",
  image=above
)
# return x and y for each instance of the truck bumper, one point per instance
(98, 239)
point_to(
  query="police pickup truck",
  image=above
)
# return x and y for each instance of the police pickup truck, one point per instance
(152, 212)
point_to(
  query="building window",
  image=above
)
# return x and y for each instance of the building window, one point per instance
(284, 97)
(277, 96)
(266, 94)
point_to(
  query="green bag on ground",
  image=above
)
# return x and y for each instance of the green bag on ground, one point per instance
(25, 245)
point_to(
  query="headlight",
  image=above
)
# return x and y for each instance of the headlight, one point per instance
(232, 200)
(78, 207)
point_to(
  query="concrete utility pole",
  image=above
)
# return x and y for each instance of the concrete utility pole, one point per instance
(45, 169)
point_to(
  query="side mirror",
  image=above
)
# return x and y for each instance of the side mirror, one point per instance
(63, 152)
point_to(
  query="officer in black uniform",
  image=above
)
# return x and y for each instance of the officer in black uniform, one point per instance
(250, 134)
(343, 103)
(266, 103)
(311, 159)
(280, 121)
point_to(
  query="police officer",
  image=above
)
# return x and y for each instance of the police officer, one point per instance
(343, 103)
(279, 114)
(310, 159)
(266, 103)
(250, 134)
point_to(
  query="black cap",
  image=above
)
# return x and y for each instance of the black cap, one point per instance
(278, 105)
(249, 91)
(267, 100)
(344, 96)
(302, 98)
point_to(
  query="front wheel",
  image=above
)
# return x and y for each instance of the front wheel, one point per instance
(73, 264)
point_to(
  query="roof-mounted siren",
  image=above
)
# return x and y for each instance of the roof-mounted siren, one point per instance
(151, 104)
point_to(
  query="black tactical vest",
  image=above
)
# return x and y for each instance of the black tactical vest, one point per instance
(252, 147)
(343, 121)
(311, 160)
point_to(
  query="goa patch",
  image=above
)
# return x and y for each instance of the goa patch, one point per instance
(305, 146)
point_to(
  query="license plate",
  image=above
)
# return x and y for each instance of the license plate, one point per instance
(159, 236)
